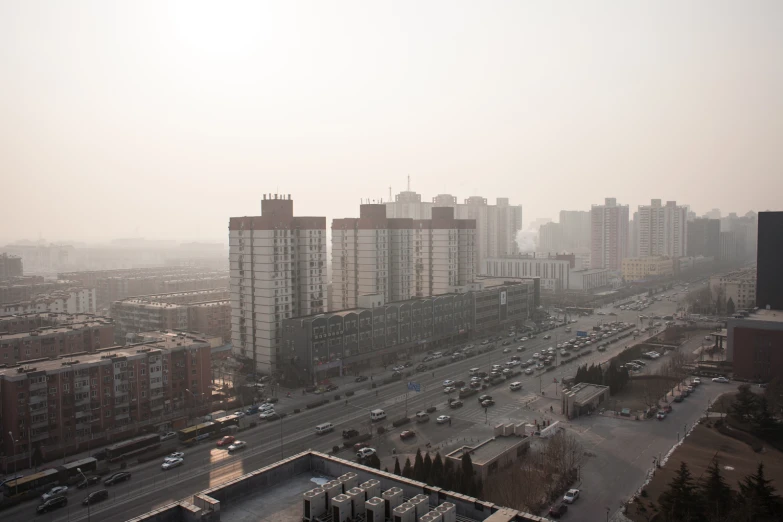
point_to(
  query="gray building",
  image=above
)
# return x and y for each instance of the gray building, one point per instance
(315, 346)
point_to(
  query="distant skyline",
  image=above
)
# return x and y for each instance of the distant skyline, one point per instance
(162, 119)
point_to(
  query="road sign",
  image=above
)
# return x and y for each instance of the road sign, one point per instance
(580, 333)
(414, 386)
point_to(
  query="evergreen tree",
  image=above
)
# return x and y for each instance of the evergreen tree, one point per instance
(458, 481)
(716, 494)
(730, 308)
(418, 467)
(759, 497)
(437, 475)
(448, 475)
(468, 474)
(427, 468)
(680, 502)
(744, 403)
(407, 470)
(764, 423)
(397, 466)
(373, 461)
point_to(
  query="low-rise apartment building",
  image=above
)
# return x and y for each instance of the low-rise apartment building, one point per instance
(647, 268)
(95, 398)
(68, 301)
(739, 286)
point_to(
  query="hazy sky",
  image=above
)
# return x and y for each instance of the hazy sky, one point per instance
(163, 119)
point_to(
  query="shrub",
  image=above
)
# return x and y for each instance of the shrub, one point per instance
(335, 449)
(316, 404)
(381, 430)
(337, 397)
(296, 410)
(401, 422)
(349, 394)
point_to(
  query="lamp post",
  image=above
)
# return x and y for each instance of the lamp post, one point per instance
(88, 496)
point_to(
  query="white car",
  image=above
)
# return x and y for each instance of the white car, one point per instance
(514, 386)
(168, 435)
(443, 419)
(364, 453)
(266, 414)
(172, 463)
(529, 371)
(449, 389)
(265, 406)
(54, 492)
(723, 380)
(176, 455)
(237, 445)
(448, 382)
(570, 496)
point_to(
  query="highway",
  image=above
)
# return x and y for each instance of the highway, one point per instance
(206, 466)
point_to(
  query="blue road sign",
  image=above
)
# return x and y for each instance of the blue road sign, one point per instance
(414, 386)
(580, 333)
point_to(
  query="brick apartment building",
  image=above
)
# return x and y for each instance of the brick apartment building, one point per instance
(77, 300)
(95, 398)
(25, 288)
(204, 311)
(754, 346)
(35, 336)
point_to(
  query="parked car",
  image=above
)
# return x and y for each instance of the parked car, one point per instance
(456, 403)
(571, 495)
(558, 510)
(363, 453)
(267, 414)
(121, 476)
(361, 378)
(723, 380)
(661, 415)
(95, 497)
(52, 503)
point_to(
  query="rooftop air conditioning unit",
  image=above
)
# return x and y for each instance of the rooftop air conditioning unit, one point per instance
(404, 513)
(314, 504)
(421, 503)
(375, 509)
(448, 511)
(332, 489)
(342, 508)
(357, 497)
(349, 480)
(372, 488)
(432, 516)
(393, 498)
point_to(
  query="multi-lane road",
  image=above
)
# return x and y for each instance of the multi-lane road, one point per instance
(205, 465)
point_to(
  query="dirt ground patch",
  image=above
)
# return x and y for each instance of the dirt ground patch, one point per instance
(640, 392)
(736, 460)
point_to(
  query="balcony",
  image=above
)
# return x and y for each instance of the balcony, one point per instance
(40, 424)
(42, 435)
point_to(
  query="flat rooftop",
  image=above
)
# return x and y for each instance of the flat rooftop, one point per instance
(280, 503)
(584, 392)
(764, 315)
(488, 450)
(52, 330)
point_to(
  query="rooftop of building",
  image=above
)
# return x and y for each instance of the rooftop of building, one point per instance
(487, 451)
(96, 322)
(585, 392)
(765, 315)
(588, 271)
(278, 492)
(184, 293)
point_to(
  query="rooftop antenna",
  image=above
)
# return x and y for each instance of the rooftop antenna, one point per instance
(409, 183)
(390, 193)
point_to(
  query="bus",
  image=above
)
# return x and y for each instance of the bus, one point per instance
(132, 447)
(198, 432)
(65, 475)
(229, 420)
(72, 472)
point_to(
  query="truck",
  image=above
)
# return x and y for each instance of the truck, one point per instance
(215, 415)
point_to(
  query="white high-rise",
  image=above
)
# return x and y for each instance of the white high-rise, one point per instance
(662, 229)
(608, 235)
(278, 271)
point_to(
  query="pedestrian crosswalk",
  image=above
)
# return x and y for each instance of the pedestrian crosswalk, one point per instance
(505, 411)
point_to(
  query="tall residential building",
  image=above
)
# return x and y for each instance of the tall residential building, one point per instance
(704, 237)
(663, 229)
(633, 236)
(278, 271)
(770, 260)
(400, 258)
(609, 235)
(550, 238)
(575, 226)
(496, 225)
(10, 267)
(713, 214)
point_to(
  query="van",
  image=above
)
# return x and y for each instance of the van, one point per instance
(326, 427)
(377, 415)
(473, 371)
(422, 416)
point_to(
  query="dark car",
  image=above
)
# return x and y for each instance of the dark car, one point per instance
(407, 364)
(272, 400)
(558, 510)
(350, 433)
(361, 378)
(95, 497)
(407, 434)
(52, 503)
(678, 398)
(483, 398)
(486, 403)
(89, 481)
(422, 368)
(122, 476)
(456, 403)
(459, 384)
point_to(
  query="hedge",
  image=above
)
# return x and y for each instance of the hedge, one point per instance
(316, 404)
(401, 422)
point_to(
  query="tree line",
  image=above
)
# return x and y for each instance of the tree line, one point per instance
(442, 473)
(613, 376)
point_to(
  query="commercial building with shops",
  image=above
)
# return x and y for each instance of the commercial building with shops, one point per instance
(315, 346)
(755, 345)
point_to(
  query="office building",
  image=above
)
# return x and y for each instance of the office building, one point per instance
(342, 341)
(586, 279)
(637, 269)
(662, 230)
(278, 271)
(10, 267)
(754, 346)
(67, 301)
(609, 235)
(554, 271)
(704, 237)
(99, 397)
(400, 258)
(550, 238)
(739, 286)
(770, 260)
(575, 226)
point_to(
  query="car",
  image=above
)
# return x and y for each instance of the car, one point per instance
(690, 389)
(482, 398)
(121, 476)
(171, 463)
(56, 491)
(398, 368)
(176, 455)
(506, 350)
(329, 388)
(239, 414)
(558, 510)
(361, 378)
(265, 407)
(168, 435)
(448, 382)
(523, 339)
(359, 445)
(721, 379)
(364, 453)
(228, 440)
(407, 364)
(267, 414)
(237, 445)
(449, 389)
(350, 433)
(95, 497)
(87, 482)
(456, 403)
(661, 415)
(528, 371)
(547, 337)
(514, 386)
(407, 434)
(52, 503)
(571, 495)
(443, 419)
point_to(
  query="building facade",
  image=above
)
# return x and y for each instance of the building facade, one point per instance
(589, 279)
(10, 267)
(754, 346)
(704, 237)
(278, 271)
(662, 230)
(609, 235)
(550, 237)
(739, 286)
(769, 262)
(100, 395)
(345, 340)
(647, 268)
(575, 226)
(68, 301)
(554, 271)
